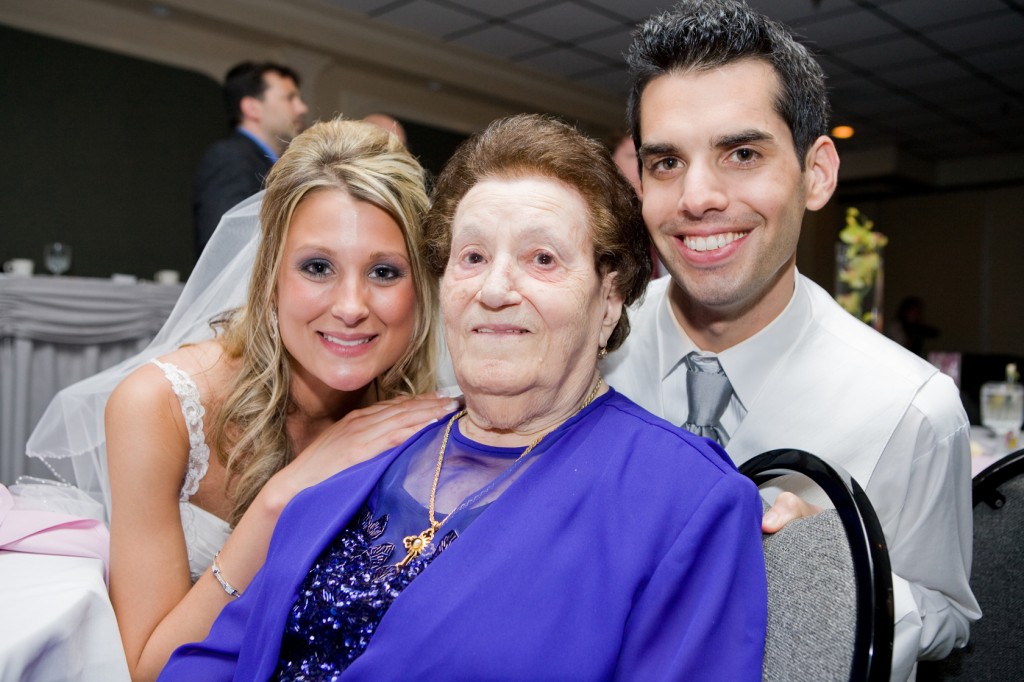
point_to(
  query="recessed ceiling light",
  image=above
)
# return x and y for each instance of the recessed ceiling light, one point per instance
(842, 132)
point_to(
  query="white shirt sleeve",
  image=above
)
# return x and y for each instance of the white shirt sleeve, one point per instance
(930, 533)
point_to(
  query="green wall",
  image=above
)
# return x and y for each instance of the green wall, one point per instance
(99, 152)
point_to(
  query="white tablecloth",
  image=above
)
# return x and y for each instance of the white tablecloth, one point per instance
(56, 621)
(55, 331)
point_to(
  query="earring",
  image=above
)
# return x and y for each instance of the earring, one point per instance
(273, 323)
(602, 352)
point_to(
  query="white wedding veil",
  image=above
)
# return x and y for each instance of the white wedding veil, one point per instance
(69, 437)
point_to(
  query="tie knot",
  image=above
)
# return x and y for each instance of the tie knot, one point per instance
(708, 392)
(708, 364)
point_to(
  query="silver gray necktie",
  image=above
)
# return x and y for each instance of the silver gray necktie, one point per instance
(707, 391)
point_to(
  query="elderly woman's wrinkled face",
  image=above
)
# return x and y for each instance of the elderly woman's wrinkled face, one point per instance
(524, 308)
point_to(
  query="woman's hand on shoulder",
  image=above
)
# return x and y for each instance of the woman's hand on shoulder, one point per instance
(361, 435)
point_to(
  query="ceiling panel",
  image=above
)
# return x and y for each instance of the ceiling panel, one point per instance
(566, 21)
(610, 80)
(996, 28)
(925, 13)
(634, 11)
(845, 28)
(426, 17)
(922, 73)
(908, 70)
(500, 41)
(998, 58)
(494, 8)
(614, 43)
(877, 56)
(361, 6)
(563, 61)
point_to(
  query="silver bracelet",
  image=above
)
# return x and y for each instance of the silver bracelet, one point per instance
(223, 583)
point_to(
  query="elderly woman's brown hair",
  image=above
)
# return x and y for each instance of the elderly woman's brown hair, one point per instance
(534, 145)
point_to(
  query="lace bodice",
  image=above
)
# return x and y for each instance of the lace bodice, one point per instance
(205, 533)
(193, 411)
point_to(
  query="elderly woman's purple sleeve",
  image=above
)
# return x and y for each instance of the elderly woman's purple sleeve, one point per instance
(702, 615)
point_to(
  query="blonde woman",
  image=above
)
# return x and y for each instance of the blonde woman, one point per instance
(207, 443)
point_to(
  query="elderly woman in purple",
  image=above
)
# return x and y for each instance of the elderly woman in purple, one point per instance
(550, 530)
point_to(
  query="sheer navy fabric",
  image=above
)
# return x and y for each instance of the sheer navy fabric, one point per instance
(354, 580)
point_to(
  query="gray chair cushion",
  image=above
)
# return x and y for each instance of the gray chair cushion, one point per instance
(812, 608)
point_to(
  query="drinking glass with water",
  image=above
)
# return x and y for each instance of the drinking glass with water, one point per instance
(1002, 405)
(57, 257)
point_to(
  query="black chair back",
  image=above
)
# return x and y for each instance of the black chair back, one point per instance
(996, 648)
(845, 597)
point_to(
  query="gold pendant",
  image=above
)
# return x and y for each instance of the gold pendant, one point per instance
(416, 544)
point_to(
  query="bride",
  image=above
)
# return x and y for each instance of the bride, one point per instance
(207, 439)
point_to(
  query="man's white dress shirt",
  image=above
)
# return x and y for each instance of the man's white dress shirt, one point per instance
(819, 380)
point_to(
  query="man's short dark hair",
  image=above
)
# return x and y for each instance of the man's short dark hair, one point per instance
(246, 80)
(698, 35)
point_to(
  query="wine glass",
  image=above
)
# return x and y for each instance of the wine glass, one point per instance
(57, 257)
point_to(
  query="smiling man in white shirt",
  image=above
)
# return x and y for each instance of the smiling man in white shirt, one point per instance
(729, 115)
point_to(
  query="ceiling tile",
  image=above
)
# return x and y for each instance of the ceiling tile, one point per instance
(846, 28)
(1011, 79)
(959, 90)
(835, 70)
(970, 34)
(888, 82)
(497, 8)
(920, 73)
(916, 121)
(609, 80)
(999, 57)
(361, 6)
(633, 11)
(563, 61)
(863, 89)
(924, 13)
(870, 106)
(500, 41)
(992, 112)
(799, 12)
(565, 21)
(614, 44)
(899, 49)
(428, 18)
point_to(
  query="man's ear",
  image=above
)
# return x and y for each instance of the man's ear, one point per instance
(822, 172)
(252, 108)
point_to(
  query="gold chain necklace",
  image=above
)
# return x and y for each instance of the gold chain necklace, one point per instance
(417, 544)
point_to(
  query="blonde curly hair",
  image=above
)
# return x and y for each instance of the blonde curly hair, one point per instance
(370, 165)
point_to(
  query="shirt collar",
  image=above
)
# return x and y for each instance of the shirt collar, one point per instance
(271, 154)
(750, 363)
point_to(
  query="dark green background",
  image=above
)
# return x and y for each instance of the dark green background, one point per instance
(99, 152)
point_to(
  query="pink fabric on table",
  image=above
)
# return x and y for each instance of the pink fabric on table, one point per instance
(43, 532)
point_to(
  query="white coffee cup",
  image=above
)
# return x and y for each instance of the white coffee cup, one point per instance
(167, 277)
(20, 266)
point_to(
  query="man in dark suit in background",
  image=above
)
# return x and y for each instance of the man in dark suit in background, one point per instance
(266, 111)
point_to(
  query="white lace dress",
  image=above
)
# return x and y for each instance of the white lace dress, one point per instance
(204, 532)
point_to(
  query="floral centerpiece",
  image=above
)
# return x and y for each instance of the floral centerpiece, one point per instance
(859, 268)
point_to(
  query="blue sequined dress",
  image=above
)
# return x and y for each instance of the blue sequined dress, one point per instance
(354, 580)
